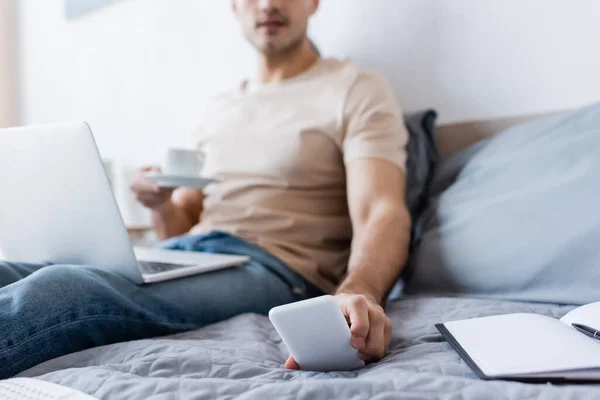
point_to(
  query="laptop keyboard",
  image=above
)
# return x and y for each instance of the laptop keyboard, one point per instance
(152, 267)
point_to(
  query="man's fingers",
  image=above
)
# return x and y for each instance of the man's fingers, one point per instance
(149, 200)
(140, 183)
(151, 168)
(147, 197)
(371, 329)
(141, 186)
(357, 310)
(376, 343)
(166, 190)
(291, 364)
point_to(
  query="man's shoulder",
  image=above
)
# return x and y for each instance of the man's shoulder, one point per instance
(351, 73)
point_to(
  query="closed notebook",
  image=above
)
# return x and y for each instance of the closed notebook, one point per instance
(529, 347)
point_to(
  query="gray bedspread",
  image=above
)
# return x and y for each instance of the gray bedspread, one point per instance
(242, 358)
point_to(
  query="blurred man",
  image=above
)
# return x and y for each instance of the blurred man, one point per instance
(308, 153)
(310, 160)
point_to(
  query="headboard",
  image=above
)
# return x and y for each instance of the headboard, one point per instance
(457, 136)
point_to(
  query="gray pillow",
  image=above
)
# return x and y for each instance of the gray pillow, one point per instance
(420, 167)
(422, 156)
(521, 221)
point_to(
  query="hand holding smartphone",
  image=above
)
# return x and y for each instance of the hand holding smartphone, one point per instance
(317, 335)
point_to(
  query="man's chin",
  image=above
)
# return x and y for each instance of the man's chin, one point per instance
(271, 51)
(275, 49)
(270, 47)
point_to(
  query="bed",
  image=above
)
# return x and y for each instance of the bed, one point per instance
(243, 357)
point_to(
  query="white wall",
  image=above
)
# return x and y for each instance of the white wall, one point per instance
(8, 55)
(140, 71)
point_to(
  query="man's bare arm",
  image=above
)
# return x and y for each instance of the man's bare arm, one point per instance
(174, 212)
(381, 224)
(179, 214)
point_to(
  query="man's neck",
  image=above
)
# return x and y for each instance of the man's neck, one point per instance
(276, 68)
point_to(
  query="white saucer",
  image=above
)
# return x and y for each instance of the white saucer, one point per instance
(173, 181)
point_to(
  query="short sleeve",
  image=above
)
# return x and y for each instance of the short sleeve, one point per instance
(374, 122)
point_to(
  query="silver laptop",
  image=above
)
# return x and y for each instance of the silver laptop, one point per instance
(56, 206)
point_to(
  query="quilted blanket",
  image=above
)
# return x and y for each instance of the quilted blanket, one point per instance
(242, 359)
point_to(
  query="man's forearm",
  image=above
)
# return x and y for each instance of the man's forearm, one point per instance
(379, 254)
(169, 220)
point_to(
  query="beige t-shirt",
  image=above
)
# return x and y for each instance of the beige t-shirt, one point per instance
(279, 152)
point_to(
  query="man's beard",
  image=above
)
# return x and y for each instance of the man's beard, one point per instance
(291, 48)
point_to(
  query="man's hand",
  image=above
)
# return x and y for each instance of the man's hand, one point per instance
(371, 329)
(149, 195)
(174, 211)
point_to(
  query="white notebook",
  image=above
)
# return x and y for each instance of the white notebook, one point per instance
(34, 389)
(529, 347)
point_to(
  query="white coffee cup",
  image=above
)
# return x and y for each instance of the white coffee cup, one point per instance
(183, 162)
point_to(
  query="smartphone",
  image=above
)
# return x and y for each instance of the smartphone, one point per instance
(316, 334)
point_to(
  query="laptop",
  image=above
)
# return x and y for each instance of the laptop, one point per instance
(57, 207)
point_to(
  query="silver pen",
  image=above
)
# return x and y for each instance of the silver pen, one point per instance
(588, 331)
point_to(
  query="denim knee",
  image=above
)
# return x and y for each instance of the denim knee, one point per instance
(67, 287)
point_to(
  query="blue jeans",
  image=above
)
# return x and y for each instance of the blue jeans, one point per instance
(47, 311)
